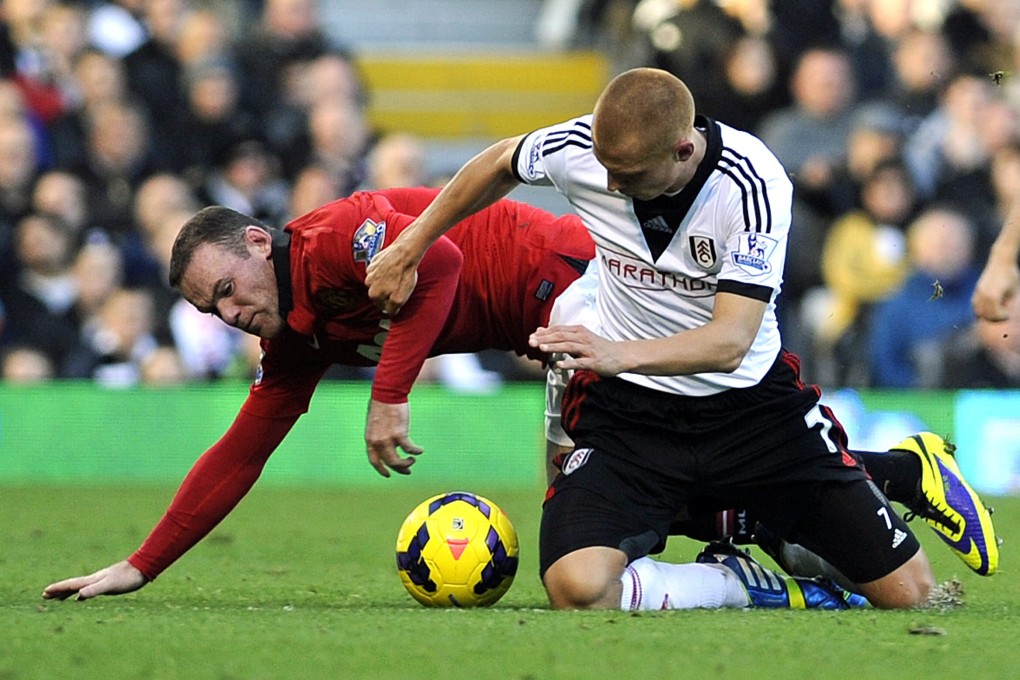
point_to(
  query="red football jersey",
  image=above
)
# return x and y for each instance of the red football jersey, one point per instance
(487, 284)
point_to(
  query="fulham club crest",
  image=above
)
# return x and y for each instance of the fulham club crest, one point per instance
(703, 250)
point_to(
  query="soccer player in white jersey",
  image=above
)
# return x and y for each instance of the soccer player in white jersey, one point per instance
(682, 394)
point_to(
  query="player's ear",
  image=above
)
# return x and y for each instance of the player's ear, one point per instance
(260, 240)
(683, 149)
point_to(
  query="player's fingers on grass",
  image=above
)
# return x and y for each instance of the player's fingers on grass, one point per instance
(54, 593)
(61, 590)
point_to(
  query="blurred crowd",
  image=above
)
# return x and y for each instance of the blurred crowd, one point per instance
(118, 120)
(899, 121)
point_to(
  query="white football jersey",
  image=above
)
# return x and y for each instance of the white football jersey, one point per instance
(662, 261)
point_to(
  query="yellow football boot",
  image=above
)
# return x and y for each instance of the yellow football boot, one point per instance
(949, 505)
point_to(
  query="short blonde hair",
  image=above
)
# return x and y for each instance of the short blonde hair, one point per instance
(645, 110)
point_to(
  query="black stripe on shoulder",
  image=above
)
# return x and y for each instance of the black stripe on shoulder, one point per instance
(570, 141)
(749, 290)
(752, 186)
(579, 135)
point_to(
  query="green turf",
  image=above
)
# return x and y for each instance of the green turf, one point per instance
(301, 584)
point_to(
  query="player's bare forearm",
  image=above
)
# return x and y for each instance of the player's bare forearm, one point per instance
(685, 353)
(718, 346)
(481, 182)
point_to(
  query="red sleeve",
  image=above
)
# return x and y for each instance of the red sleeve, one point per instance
(410, 200)
(415, 328)
(214, 486)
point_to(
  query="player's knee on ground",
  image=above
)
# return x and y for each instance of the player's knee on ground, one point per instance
(584, 580)
(908, 587)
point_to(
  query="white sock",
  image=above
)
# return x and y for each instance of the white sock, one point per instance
(648, 584)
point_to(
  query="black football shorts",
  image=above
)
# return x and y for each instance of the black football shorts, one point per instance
(641, 455)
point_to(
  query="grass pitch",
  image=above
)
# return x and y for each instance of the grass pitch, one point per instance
(301, 583)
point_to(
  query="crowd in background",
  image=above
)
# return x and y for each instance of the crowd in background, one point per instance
(898, 120)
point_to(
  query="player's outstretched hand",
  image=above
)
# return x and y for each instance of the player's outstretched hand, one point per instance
(116, 579)
(386, 428)
(585, 350)
(391, 277)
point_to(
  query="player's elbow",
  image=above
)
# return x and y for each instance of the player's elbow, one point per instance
(730, 363)
(731, 354)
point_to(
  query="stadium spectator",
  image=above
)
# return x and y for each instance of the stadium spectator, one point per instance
(692, 42)
(203, 36)
(39, 303)
(31, 68)
(63, 38)
(313, 186)
(122, 340)
(61, 193)
(948, 151)
(809, 138)
(923, 63)
(871, 45)
(338, 141)
(145, 262)
(18, 170)
(330, 79)
(753, 83)
(154, 72)
(100, 78)
(875, 138)
(981, 31)
(247, 179)
(23, 365)
(211, 121)
(163, 366)
(18, 167)
(876, 135)
(932, 303)
(287, 34)
(159, 195)
(397, 159)
(121, 152)
(630, 174)
(864, 260)
(98, 271)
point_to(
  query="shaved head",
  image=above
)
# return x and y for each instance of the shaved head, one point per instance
(643, 134)
(642, 111)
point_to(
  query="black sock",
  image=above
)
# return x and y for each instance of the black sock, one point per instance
(896, 473)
